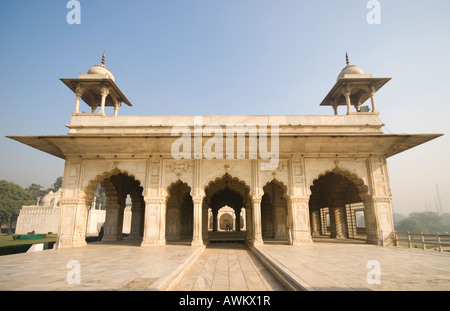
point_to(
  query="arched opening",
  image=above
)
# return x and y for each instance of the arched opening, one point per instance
(274, 215)
(226, 219)
(336, 208)
(116, 199)
(228, 202)
(179, 213)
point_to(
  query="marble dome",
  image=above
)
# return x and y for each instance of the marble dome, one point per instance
(101, 70)
(350, 69)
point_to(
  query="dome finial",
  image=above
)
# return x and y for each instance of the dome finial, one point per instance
(349, 69)
(101, 69)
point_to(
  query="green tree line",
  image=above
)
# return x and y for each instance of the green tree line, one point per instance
(13, 197)
(425, 222)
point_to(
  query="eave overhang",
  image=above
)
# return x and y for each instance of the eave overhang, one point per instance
(62, 146)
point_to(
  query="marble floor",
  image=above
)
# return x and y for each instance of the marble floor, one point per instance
(98, 266)
(225, 267)
(228, 267)
(354, 265)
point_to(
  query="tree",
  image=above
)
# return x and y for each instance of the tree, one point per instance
(412, 225)
(398, 217)
(37, 191)
(56, 185)
(12, 198)
(100, 195)
(426, 222)
(431, 221)
(446, 218)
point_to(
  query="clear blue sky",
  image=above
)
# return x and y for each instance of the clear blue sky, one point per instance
(229, 57)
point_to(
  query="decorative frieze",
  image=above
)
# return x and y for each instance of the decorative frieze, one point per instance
(298, 176)
(379, 176)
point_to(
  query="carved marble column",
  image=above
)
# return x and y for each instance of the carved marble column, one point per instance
(340, 222)
(280, 217)
(73, 221)
(256, 216)
(162, 220)
(301, 232)
(249, 221)
(347, 93)
(332, 215)
(237, 216)
(197, 198)
(372, 98)
(154, 229)
(104, 92)
(205, 234)
(215, 213)
(197, 239)
(116, 107)
(78, 93)
(315, 221)
(74, 207)
(136, 214)
(323, 220)
(111, 230)
(378, 219)
(120, 217)
(377, 206)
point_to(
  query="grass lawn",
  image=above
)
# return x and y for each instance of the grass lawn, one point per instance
(7, 240)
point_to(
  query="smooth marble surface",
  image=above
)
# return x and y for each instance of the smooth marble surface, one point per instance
(324, 265)
(102, 266)
(334, 265)
(228, 267)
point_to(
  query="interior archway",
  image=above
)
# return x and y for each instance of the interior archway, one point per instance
(117, 187)
(179, 212)
(274, 214)
(230, 192)
(226, 219)
(335, 205)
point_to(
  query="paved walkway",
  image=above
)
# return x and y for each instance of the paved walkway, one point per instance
(228, 267)
(348, 266)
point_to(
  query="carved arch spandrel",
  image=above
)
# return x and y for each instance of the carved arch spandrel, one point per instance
(235, 168)
(88, 190)
(233, 183)
(280, 184)
(353, 177)
(174, 185)
(173, 171)
(280, 174)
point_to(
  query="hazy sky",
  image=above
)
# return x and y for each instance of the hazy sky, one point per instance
(229, 57)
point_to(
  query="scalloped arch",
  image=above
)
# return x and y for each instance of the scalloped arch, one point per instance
(175, 183)
(359, 182)
(278, 183)
(206, 183)
(213, 186)
(166, 189)
(92, 184)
